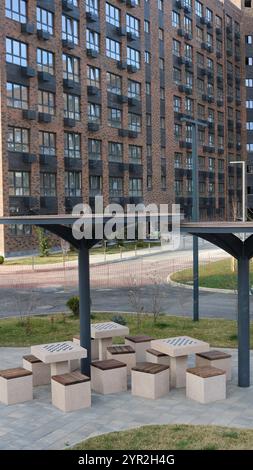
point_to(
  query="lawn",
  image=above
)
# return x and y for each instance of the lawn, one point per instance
(215, 275)
(172, 437)
(72, 255)
(60, 327)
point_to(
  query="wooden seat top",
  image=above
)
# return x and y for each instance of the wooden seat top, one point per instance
(121, 349)
(71, 378)
(156, 353)
(139, 338)
(205, 371)
(214, 355)
(14, 373)
(150, 367)
(32, 359)
(108, 364)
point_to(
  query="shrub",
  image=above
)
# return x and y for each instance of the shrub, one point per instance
(119, 319)
(1, 260)
(73, 305)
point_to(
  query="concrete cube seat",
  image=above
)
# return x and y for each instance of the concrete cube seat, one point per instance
(108, 376)
(157, 357)
(205, 384)
(140, 344)
(123, 353)
(16, 386)
(215, 358)
(40, 370)
(150, 380)
(71, 391)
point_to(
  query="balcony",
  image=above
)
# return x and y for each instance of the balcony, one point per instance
(28, 72)
(185, 144)
(181, 32)
(230, 99)
(68, 44)
(132, 68)
(73, 163)
(131, 3)
(209, 148)
(121, 31)
(218, 31)
(72, 201)
(93, 90)
(121, 65)
(92, 53)
(48, 160)
(29, 114)
(29, 158)
(44, 117)
(27, 28)
(93, 126)
(132, 36)
(123, 132)
(44, 77)
(132, 134)
(43, 35)
(179, 4)
(69, 122)
(218, 54)
(219, 103)
(133, 101)
(49, 204)
(220, 150)
(122, 99)
(91, 17)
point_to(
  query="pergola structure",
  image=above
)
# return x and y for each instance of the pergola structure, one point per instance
(221, 234)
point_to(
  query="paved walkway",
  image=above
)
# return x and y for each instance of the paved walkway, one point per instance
(38, 425)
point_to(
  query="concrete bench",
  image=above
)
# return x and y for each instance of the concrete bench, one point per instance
(215, 358)
(123, 353)
(157, 357)
(108, 376)
(140, 344)
(71, 391)
(150, 380)
(205, 384)
(40, 370)
(16, 386)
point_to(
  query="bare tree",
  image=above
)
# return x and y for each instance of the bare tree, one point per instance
(26, 301)
(157, 291)
(135, 299)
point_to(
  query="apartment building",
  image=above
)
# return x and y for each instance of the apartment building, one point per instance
(96, 98)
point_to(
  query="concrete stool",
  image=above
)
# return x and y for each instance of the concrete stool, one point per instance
(150, 380)
(140, 344)
(16, 386)
(215, 358)
(71, 391)
(205, 384)
(109, 376)
(40, 370)
(157, 357)
(123, 353)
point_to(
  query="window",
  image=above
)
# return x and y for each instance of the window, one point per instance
(17, 95)
(133, 25)
(211, 187)
(115, 152)
(93, 76)
(134, 122)
(198, 8)
(178, 160)
(249, 39)
(94, 149)
(18, 139)
(249, 60)
(45, 61)
(134, 153)
(48, 184)
(161, 34)
(200, 85)
(177, 131)
(149, 182)
(92, 40)
(16, 10)
(135, 187)
(19, 183)
(188, 105)
(201, 111)
(175, 19)
(209, 15)
(176, 47)
(46, 102)
(72, 145)
(218, 21)
(146, 27)
(178, 185)
(20, 230)
(92, 6)
(112, 14)
(114, 117)
(189, 79)
(162, 123)
(188, 52)
(147, 57)
(163, 182)
(249, 104)
(45, 20)
(133, 57)
(211, 164)
(71, 106)
(47, 143)
(73, 183)
(115, 187)
(95, 185)
(70, 29)
(160, 5)
(112, 49)
(114, 83)
(94, 113)
(148, 88)
(249, 126)
(71, 68)
(176, 75)
(162, 93)
(188, 133)
(220, 165)
(16, 52)
(149, 151)
(189, 186)
(188, 25)
(249, 147)
(161, 63)
(199, 34)
(148, 119)
(177, 104)
(134, 89)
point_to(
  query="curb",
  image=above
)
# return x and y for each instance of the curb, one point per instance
(202, 289)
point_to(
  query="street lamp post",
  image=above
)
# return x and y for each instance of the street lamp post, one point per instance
(195, 123)
(243, 163)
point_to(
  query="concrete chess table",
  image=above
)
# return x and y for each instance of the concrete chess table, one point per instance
(178, 349)
(104, 332)
(58, 355)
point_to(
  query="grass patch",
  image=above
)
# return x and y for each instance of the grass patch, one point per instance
(45, 329)
(172, 437)
(217, 274)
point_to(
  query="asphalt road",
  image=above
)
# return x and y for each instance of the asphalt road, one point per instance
(174, 300)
